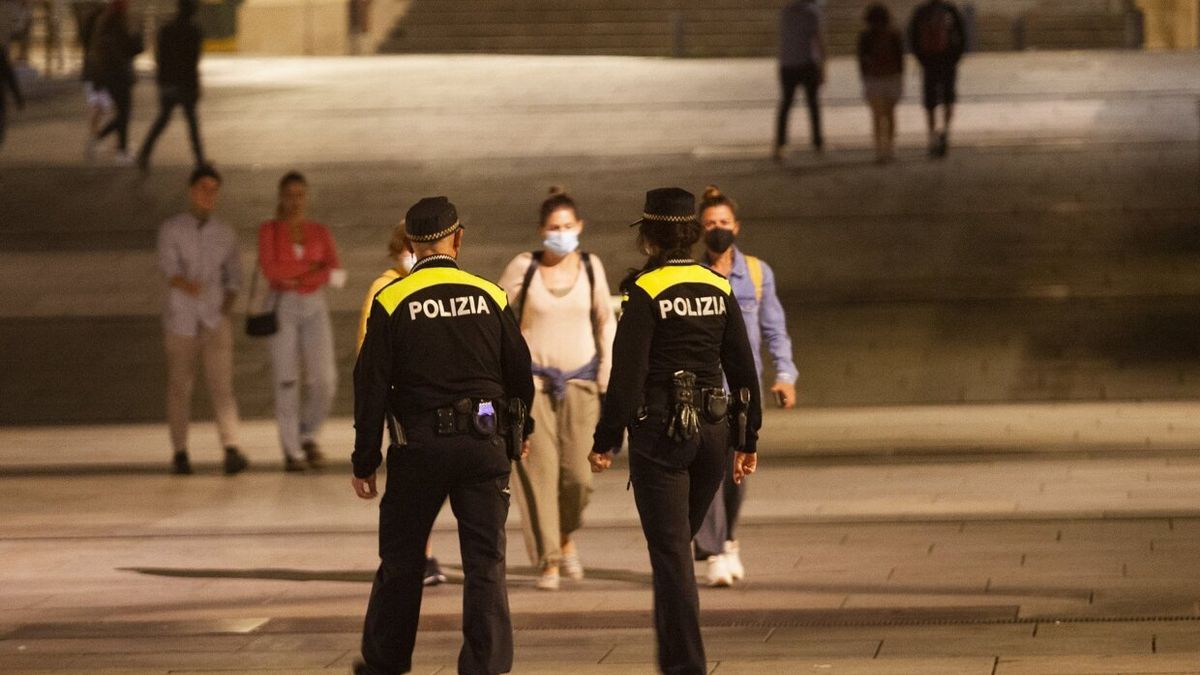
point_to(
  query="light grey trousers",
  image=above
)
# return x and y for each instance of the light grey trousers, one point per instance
(302, 356)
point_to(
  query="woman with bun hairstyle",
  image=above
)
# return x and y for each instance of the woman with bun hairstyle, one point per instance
(681, 333)
(298, 259)
(753, 284)
(560, 295)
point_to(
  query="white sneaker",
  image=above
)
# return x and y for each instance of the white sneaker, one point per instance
(718, 572)
(548, 581)
(733, 562)
(572, 566)
(123, 158)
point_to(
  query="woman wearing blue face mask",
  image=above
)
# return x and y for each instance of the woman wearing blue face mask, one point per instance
(561, 298)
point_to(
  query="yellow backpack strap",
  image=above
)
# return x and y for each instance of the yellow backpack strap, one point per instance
(754, 266)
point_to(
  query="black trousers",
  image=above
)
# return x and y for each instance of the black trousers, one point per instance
(673, 485)
(791, 77)
(939, 79)
(122, 96)
(473, 473)
(168, 98)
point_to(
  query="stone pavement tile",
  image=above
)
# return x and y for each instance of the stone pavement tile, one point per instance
(131, 645)
(1025, 646)
(184, 660)
(862, 666)
(910, 595)
(644, 651)
(1157, 664)
(303, 642)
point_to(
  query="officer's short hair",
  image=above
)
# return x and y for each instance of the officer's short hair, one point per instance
(204, 171)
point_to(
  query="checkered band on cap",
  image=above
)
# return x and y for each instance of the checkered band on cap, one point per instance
(668, 219)
(434, 236)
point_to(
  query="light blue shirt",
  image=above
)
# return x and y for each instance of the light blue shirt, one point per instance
(765, 320)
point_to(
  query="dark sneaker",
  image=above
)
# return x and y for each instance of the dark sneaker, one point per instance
(433, 573)
(313, 454)
(235, 461)
(181, 465)
(293, 465)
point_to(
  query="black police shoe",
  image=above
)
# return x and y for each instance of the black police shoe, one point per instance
(433, 573)
(181, 465)
(313, 454)
(235, 461)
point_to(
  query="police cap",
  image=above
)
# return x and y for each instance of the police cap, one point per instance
(431, 219)
(670, 204)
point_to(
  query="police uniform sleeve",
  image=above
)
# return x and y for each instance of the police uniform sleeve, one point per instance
(372, 375)
(737, 360)
(516, 363)
(630, 363)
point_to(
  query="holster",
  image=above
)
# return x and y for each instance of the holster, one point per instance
(514, 430)
(684, 421)
(739, 420)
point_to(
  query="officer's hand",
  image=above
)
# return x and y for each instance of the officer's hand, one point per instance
(600, 461)
(364, 487)
(524, 449)
(785, 392)
(744, 464)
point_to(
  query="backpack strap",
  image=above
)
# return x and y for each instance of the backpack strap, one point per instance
(754, 266)
(591, 277)
(533, 265)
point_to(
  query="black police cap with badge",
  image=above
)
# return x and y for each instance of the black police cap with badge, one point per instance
(431, 219)
(668, 205)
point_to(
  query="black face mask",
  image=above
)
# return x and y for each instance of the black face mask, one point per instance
(718, 239)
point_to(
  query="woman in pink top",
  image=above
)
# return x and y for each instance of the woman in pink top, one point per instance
(297, 257)
(561, 298)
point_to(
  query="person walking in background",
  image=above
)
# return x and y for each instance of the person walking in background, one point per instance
(680, 330)
(801, 63)
(8, 82)
(403, 259)
(177, 53)
(753, 283)
(938, 39)
(881, 64)
(298, 259)
(560, 294)
(99, 102)
(198, 256)
(112, 50)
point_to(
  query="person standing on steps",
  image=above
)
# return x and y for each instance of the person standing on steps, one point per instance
(801, 63)
(299, 259)
(198, 256)
(177, 53)
(938, 39)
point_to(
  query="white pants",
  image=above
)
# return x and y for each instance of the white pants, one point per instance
(303, 345)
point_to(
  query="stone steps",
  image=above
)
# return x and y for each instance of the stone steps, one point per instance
(713, 28)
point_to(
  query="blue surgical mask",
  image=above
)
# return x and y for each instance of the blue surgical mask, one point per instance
(561, 242)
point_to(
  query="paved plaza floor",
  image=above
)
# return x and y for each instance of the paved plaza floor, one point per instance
(994, 471)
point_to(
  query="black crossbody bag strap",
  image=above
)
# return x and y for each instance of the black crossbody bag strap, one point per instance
(533, 265)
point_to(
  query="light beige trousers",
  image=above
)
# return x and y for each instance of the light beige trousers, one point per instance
(554, 482)
(215, 347)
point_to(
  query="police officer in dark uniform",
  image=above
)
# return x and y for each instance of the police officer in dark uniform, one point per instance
(445, 368)
(680, 328)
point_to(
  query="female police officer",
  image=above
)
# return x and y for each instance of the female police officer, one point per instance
(680, 327)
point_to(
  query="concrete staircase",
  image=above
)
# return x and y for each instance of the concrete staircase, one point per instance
(722, 28)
